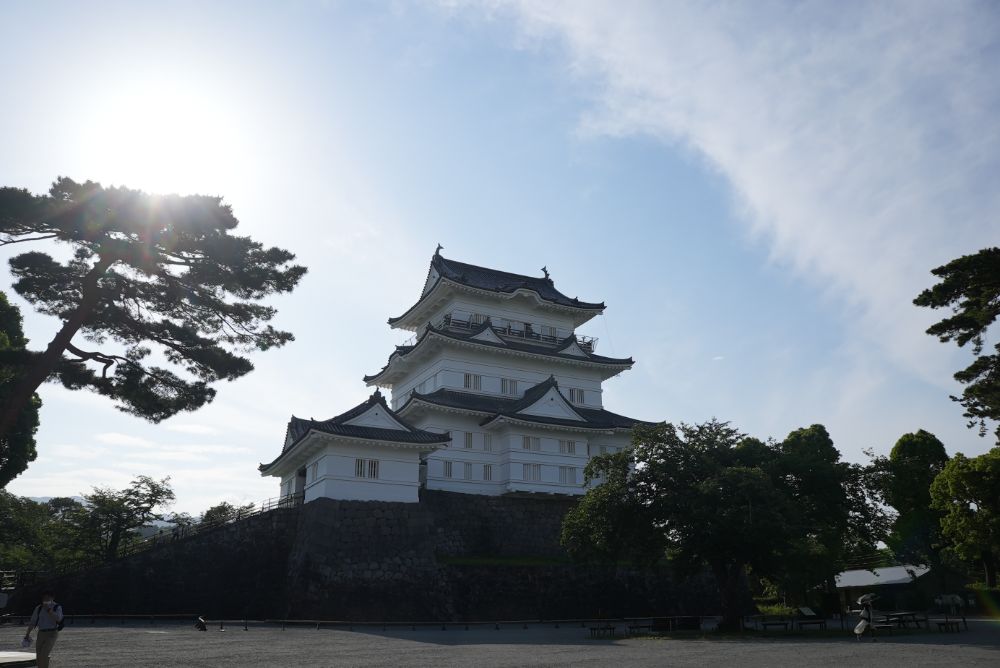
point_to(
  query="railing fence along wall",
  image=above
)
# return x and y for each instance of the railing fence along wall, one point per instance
(463, 321)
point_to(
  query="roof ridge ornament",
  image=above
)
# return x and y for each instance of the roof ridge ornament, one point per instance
(437, 251)
(546, 272)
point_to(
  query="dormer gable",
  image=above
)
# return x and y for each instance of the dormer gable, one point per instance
(552, 404)
(377, 416)
(489, 336)
(574, 349)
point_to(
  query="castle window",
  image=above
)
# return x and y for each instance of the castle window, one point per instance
(532, 472)
(473, 381)
(567, 475)
(488, 442)
(576, 395)
(468, 440)
(487, 472)
(548, 330)
(532, 443)
(467, 471)
(567, 447)
(366, 468)
(314, 471)
(447, 469)
(477, 319)
(508, 386)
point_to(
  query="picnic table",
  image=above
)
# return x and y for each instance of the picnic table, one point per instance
(602, 630)
(904, 618)
(766, 621)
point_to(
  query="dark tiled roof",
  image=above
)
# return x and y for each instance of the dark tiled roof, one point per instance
(298, 428)
(494, 407)
(484, 278)
(524, 347)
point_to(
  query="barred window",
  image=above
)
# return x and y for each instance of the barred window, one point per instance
(576, 395)
(567, 447)
(447, 469)
(314, 471)
(567, 475)
(487, 472)
(366, 468)
(473, 381)
(508, 386)
(467, 471)
(477, 319)
(532, 443)
(468, 439)
(488, 442)
(532, 472)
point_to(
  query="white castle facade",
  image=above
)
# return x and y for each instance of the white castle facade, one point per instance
(494, 394)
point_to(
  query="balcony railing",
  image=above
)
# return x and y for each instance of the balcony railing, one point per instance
(524, 331)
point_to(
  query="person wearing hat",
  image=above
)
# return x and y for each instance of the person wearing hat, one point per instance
(48, 617)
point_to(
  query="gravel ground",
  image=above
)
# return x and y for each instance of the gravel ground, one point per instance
(170, 645)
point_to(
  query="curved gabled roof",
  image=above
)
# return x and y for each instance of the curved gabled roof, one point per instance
(299, 428)
(494, 280)
(493, 408)
(517, 346)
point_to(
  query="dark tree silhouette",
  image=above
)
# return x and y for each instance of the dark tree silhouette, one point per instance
(17, 446)
(970, 286)
(147, 273)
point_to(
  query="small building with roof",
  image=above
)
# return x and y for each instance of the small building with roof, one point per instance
(495, 393)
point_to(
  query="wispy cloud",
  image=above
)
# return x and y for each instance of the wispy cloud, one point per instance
(860, 140)
(189, 428)
(115, 438)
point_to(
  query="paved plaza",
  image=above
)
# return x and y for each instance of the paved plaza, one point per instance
(175, 644)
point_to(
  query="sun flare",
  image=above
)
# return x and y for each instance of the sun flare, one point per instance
(164, 137)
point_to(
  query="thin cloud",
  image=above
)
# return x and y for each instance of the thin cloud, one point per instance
(116, 438)
(860, 140)
(192, 428)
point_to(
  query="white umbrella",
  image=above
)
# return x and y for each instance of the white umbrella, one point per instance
(867, 598)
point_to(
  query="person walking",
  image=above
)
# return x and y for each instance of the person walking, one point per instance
(47, 617)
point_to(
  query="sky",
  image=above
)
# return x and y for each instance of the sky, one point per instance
(757, 191)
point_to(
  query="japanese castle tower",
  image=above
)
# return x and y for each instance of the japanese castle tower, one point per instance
(494, 394)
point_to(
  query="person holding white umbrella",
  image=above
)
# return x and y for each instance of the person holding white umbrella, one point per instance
(866, 617)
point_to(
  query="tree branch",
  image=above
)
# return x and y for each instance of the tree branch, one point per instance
(9, 240)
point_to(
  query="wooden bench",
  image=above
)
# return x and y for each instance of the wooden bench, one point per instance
(884, 626)
(639, 629)
(775, 622)
(952, 625)
(605, 630)
(811, 622)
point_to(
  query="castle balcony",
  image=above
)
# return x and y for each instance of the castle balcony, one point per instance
(462, 322)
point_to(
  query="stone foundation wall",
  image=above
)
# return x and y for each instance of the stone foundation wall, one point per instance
(453, 557)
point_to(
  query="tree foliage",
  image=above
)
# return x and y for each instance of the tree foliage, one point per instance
(708, 496)
(224, 512)
(970, 287)
(168, 294)
(108, 517)
(915, 460)
(17, 446)
(967, 494)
